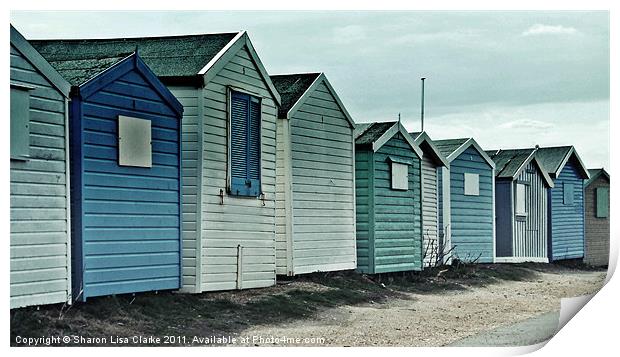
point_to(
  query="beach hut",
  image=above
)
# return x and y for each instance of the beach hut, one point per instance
(40, 256)
(597, 218)
(229, 144)
(315, 198)
(521, 189)
(125, 133)
(432, 163)
(469, 196)
(388, 199)
(566, 201)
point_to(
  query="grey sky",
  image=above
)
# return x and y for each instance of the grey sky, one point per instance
(508, 79)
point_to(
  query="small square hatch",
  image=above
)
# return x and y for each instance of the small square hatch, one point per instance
(134, 142)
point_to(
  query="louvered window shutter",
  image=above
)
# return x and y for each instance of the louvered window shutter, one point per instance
(245, 145)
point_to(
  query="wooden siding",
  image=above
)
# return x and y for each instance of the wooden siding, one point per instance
(321, 149)
(247, 222)
(597, 229)
(40, 240)
(130, 239)
(191, 101)
(472, 228)
(283, 199)
(364, 204)
(530, 231)
(430, 211)
(567, 220)
(397, 236)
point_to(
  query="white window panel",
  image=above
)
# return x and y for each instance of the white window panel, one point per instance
(472, 184)
(400, 176)
(520, 200)
(134, 142)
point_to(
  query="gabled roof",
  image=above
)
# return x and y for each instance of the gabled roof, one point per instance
(35, 58)
(89, 76)
(291, 87)
(377, 134)
(422, 140)
(296, 88)
(171, 58)
(553, 160)
(360, 128)
(447, 147)
(595, 174)
(452, 148)
(80, 71)
(510, 163)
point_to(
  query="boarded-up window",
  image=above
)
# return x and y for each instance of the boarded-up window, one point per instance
(20, 123)
(472, 184)
(520, 199)
(602, 202)
(569, 193)
(245, 144)
(134, 142)
(400, 176)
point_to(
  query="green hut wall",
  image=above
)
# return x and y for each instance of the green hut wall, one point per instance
(389, 236)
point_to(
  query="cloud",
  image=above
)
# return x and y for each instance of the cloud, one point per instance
(526, 124)
(540, 29)
(349, 34)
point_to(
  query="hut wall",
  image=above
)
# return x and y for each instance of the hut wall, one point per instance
(397, 214)
(238, 233)
(567, 219)
(127, 219)
(597, 228)
(364, 202)
(530, 231)
(39, 193)
(472, 216)
(430, 231)
(323, 215)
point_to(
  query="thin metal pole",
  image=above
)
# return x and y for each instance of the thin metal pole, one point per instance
(422, 112)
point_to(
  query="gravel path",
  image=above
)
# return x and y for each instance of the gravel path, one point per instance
(432, 319)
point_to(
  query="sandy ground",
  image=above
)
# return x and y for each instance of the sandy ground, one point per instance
(433, 319)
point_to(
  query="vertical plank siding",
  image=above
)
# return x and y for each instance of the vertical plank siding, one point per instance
(248, 222)
(472, 216)
(130, 240)
(567, 220)
(40, 239)
(321, 147)
(430, 217)
(530, 232)
(597, 228)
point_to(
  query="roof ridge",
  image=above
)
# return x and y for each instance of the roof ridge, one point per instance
(294, 74)
(130, 38)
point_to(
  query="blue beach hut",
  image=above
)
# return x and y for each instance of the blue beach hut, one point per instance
(125, 177)
(469, 198)
(566, 208)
